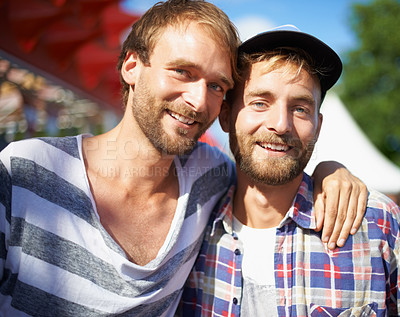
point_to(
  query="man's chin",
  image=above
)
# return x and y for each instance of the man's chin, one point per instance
(177, 142)
(275, 172)
(177, 147)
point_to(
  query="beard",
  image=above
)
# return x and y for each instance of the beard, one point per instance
(270, 170)
(148, 113)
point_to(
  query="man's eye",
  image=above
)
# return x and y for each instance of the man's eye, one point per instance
(215, 87)
(259, 105)
(300, 110)
(180, 71)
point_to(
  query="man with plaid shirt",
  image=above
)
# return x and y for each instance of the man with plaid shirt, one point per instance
(261, 255)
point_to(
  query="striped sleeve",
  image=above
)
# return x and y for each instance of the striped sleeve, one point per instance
(5, 209)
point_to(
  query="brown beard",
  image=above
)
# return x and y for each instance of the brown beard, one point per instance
(271, 170)
(148, 113)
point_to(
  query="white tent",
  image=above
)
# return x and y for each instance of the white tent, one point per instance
(342, 140)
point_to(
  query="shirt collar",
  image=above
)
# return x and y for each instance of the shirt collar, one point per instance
(224, 214)
(301, 212)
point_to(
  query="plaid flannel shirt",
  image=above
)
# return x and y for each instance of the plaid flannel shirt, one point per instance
(359, 279)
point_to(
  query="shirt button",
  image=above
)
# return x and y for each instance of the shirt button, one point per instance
(237, 252)
(235, 301)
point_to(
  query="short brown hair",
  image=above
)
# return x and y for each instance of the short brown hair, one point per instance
(276, 58)
(148, 29)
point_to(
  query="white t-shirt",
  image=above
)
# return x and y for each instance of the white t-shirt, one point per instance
(259, 298)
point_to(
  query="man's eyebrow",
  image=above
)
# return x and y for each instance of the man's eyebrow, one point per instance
(227, 81)
(259, 93)
(308, 99)
(185, 63)
(181, 62)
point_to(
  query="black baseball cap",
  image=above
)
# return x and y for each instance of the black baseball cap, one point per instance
(291, 36)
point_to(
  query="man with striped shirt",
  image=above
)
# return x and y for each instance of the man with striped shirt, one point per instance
(111, 224)
(261, 255)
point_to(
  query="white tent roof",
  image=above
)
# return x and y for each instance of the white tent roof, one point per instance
(342, 140)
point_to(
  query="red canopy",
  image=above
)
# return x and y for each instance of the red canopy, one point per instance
(74, 42)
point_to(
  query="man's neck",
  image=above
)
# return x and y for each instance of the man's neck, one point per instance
(263, 206)
(133, 186)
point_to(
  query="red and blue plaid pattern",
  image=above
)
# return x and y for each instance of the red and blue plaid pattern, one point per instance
(359, 279)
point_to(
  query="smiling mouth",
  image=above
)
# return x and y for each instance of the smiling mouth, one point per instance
(181, 118)
(277, 147)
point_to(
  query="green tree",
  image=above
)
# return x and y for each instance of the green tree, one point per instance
(370, 86)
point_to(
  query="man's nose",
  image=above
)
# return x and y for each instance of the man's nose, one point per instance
(196, 95)
(278, 119)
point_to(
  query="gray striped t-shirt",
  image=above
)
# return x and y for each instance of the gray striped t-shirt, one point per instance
(56, 259)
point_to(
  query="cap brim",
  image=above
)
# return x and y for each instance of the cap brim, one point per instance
(323, 55)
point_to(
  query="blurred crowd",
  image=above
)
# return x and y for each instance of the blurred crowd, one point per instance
(32, 105)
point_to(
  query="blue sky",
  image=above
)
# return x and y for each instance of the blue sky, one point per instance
(328, 20)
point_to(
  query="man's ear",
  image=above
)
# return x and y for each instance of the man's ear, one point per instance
(320, 119)
(130, 67)
(224, 116)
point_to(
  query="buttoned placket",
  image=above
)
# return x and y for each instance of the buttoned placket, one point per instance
(238, 259)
